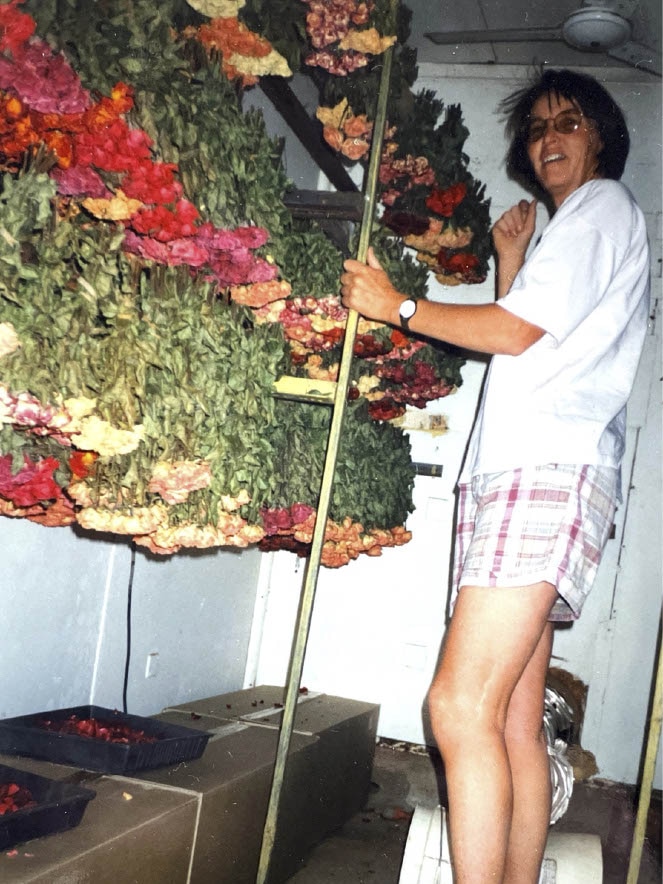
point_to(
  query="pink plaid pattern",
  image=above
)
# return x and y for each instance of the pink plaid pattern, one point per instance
(538, 523)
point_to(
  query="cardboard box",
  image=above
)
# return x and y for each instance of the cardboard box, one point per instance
(201, 821)
(327, 777)
(131, 833)
(233, 779)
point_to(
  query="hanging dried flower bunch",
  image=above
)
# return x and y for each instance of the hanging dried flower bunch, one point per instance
(153, 285)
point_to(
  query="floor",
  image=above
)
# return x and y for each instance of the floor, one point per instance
(369, 848)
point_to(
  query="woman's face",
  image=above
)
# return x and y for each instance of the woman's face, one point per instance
(562, 161)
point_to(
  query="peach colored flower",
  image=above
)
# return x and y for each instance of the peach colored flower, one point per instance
(57, 515)
(175, 481)
(333, 137)
(354, 148)
(147, 541)
(7, 508)
(260, 293)
(316, 372)
(230, 503)
(439, 235)
(356, 126)
(231, 530)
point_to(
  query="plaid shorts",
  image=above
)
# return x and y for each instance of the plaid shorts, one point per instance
(527, 525)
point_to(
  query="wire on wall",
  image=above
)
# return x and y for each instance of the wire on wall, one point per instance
(127, 660)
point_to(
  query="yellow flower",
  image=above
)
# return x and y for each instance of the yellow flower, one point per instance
(272, 64)
(366, 41)
(100, 436)
(118, 208)
(364, 326)
(79, 407)
(334, 116)
(368, 382)
(139, 520)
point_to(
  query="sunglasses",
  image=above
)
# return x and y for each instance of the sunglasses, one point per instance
(565, 123)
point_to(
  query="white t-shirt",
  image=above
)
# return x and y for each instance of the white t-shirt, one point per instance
(586, 284)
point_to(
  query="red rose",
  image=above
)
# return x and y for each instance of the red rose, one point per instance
(460, 262)
(443, 202)
(33, 483)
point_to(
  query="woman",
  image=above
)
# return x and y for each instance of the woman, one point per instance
(540, 482)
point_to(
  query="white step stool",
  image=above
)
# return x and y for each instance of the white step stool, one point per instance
(569, 859)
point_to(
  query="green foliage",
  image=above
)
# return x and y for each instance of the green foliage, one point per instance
(407, 274)
(374, 474)
(153, 346)
(283, 23)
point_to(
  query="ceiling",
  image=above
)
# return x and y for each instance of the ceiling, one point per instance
(451, 15)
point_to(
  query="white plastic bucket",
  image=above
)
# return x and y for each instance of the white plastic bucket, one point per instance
(569, 858)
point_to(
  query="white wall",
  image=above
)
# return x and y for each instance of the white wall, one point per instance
(377, 624)
(64, 615)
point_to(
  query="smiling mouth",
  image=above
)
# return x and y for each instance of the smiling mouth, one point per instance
(553, 158)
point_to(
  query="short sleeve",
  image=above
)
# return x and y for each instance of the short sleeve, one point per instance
(563, 280)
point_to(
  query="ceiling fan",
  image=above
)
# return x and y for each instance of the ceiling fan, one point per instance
(601, 26)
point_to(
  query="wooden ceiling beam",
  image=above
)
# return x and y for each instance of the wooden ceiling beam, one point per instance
(307, 130)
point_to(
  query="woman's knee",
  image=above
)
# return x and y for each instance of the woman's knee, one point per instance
(458, 714)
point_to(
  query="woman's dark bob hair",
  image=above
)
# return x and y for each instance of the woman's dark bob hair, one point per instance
(595, 103)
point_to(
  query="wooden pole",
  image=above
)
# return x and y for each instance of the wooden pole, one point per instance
(310, 581)
(653, 738)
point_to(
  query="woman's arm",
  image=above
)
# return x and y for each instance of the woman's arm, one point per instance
(487, 328)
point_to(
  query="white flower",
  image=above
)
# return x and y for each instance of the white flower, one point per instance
(217, 8)
(9, 340)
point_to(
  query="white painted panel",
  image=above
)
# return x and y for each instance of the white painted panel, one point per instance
(52, 585)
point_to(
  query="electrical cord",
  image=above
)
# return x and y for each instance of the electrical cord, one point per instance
(128, 652)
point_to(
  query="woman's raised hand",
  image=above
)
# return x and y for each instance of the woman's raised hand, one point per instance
(513, 231)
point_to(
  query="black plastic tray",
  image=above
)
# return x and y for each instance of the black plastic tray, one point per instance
(59, 806)
(26, 735)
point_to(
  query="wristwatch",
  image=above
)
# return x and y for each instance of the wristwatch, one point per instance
(406, 311)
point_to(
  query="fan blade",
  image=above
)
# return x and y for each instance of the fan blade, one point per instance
(625, 8)
(509, 35)
(638, 56)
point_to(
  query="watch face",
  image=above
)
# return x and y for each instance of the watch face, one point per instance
(407, 309)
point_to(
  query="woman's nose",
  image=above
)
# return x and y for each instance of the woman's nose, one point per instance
(550, 130)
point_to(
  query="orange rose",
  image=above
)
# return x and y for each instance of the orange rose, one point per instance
(333, 137)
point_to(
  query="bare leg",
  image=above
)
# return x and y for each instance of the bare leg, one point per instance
(530, 769)
(491, 639)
